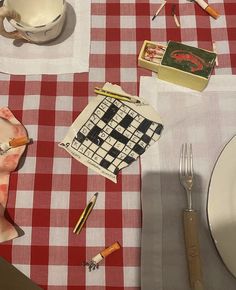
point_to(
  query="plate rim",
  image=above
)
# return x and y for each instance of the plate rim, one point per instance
(207, 203)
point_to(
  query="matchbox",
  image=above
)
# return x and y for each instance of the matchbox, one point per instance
(181, 64)
(148, 61)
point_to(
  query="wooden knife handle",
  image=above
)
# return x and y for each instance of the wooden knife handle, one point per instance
(192, 249)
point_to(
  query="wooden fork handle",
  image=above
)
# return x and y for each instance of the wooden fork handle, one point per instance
(192, 249)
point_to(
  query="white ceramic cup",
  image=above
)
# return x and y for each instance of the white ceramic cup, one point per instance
(35, 21)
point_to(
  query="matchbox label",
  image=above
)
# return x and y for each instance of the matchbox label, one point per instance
(189, 59)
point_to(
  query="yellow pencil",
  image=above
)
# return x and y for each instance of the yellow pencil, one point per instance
(115, 95)
(85, 214)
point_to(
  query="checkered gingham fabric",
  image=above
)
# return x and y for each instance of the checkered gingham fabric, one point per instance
(50, 189)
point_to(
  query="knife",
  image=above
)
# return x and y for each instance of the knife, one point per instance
(211, 11)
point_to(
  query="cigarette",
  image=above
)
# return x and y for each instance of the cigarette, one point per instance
(16, 142)
(106, 252)
(13, 143)
(211, 11)
(94, 263)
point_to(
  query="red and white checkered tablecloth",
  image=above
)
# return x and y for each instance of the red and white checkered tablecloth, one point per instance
(48, 193)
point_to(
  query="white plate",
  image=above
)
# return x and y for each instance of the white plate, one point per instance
(222, 205)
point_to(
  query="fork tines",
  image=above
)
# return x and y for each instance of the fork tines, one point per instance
(186, 171)
(186, 160)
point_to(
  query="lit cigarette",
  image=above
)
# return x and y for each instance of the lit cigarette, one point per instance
(159, 9)
(211, 11)
(215, 50)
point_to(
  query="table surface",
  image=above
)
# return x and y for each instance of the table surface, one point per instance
(48, 193)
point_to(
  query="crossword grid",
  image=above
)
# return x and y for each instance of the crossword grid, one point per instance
(115, 135)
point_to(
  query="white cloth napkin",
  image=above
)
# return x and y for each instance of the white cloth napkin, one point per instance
(207, 120)
(69, 53)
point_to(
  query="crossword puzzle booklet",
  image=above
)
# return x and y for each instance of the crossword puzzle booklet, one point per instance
(110, 134)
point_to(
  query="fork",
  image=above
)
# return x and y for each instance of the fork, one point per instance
(190, 219)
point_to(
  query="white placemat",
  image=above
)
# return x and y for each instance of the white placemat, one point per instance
(207, 120)
(69, 53)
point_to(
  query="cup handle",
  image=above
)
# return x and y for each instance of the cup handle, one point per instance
(4, 12)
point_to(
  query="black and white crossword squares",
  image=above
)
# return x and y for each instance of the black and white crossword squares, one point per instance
(110, 134)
